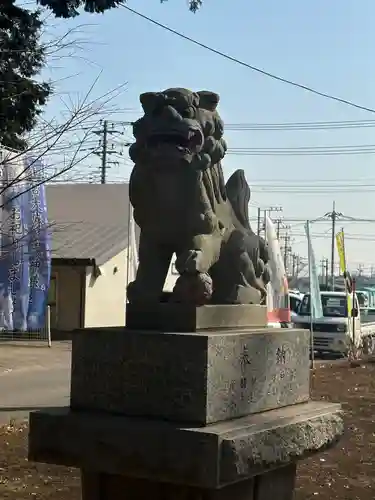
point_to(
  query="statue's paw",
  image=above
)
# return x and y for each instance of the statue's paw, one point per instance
(191, 262)
(193, 289)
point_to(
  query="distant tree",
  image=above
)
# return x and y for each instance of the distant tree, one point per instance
(69, 8)
(22, 56)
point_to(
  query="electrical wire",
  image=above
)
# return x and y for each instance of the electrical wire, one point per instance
(301, 152)
(344, 147)
(304, 181)
(297, 126)
(348, 149)
(302, 191)
(318, 125)
(249, 66)
(322, 220)
(312, 185)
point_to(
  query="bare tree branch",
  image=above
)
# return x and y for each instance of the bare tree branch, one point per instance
(62, 143)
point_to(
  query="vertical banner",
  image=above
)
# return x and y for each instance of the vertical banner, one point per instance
(316, 309)
(277, 289)
(340, 244)
(14, 274)
(25, 260)
(39, 244)
(6, 302)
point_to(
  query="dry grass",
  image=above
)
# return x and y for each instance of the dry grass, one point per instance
(344, 473)
(21, 479)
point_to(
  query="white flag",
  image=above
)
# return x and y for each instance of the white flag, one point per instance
(315, 297)
(277, 288)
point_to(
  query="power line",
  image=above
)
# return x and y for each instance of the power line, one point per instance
(316, 186)
(317, 190)
(352, 238)
(344, 147)
(296, 152)
(249, 66)
(322, 125)
(303, 220)
(304, 181)
(318, 125)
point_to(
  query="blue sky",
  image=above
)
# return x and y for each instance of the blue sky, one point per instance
(325, 45)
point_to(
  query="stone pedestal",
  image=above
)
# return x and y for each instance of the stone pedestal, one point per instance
(212, 414)
(278, 484)
(199, 378)
(188, 318)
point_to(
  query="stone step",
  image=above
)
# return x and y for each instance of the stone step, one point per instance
(207, 457)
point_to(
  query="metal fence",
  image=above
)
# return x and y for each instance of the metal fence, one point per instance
(38, 336)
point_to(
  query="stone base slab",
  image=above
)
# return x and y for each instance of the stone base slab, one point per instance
(165, 317)
(199, 378)
(205, 457)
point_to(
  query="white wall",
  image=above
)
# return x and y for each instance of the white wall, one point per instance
(106, 294)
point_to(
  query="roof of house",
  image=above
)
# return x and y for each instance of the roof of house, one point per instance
(88, 221)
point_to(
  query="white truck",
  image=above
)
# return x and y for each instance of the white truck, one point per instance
(334, 331)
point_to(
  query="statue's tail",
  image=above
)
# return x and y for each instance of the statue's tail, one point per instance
(238, 193)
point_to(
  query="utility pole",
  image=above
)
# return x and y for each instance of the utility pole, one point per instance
(107, 129)
(279, 225)
(267, 212)
(333, 247)
(333, 216)
(294, 265)
(286, 249)
(103, 169)
(324, 271)
(259, 220)
(298, 262)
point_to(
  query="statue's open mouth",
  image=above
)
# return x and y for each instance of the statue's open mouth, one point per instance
(191, 142)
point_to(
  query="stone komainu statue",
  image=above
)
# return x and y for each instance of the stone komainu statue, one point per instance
(183, 206)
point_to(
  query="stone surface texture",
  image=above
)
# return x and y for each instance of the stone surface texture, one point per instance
(171, 317)
(199, 378)
(183, 206)
(205, 457)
